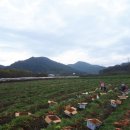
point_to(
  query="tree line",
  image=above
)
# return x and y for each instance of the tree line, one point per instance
(13, 73)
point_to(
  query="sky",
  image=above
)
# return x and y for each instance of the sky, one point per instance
(67, 31)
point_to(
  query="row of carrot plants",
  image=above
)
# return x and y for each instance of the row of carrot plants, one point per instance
(33, 96)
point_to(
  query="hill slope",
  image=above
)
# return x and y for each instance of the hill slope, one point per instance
(117, 69)
(1, 66)
(42, 65)
(86, 67)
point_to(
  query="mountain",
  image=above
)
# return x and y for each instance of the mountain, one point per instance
(1, 66)
(123, 68)
(86, 67)
(42, 65)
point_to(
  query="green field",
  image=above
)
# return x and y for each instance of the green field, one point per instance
(33, 96)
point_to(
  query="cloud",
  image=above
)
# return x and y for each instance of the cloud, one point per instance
(65, 30)
(32, 15)
(71, 56)
(10, 53)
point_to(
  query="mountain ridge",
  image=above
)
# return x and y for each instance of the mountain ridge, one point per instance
(87, 67)
(46, 65)
(1, 66)
(42, 65)
(123, 68)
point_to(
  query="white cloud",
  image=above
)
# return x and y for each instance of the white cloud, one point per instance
(71, 56)
(32, 15)
(66, 30)
(8, 57)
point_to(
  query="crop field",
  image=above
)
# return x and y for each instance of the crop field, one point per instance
(33, 96)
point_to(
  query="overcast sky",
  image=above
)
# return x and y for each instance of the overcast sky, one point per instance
(67, 31)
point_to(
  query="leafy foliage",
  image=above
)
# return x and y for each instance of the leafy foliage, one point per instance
(32, 96)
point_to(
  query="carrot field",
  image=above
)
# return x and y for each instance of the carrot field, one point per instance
(33, 97)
